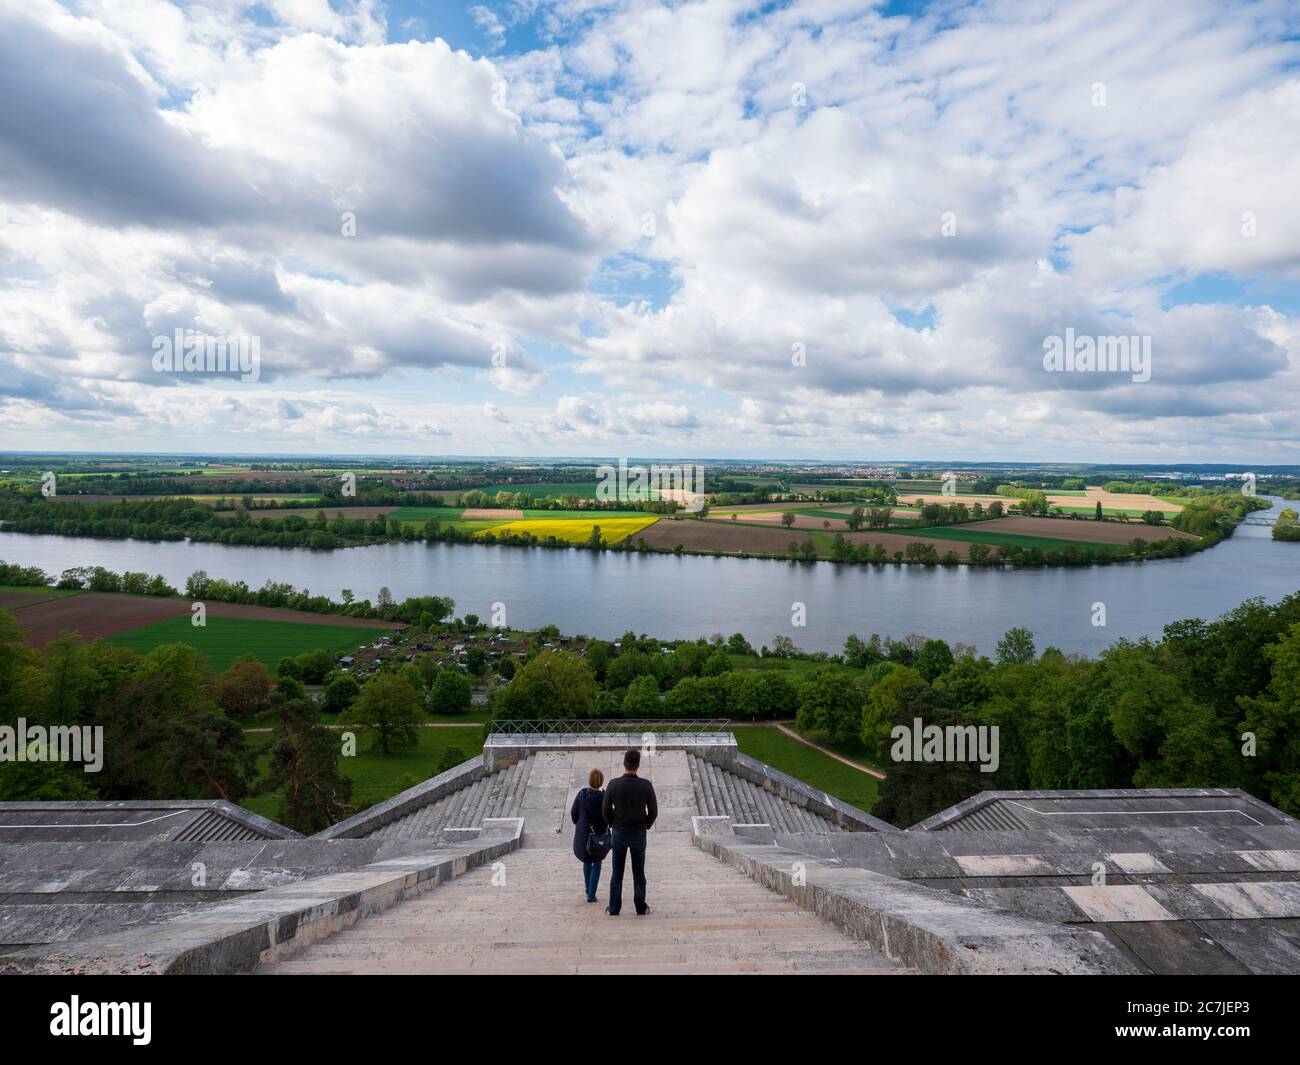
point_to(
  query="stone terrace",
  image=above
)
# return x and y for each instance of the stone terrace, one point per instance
(530, 916)
(750, 870)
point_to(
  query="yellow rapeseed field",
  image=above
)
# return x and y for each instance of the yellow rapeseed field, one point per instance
(574, 530)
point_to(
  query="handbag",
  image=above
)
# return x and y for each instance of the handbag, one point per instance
(598, 843)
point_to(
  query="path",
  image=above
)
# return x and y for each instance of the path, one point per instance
(830, 753)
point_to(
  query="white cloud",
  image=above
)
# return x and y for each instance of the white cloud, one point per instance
(192, 166)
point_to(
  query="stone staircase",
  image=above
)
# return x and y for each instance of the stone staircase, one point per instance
(501, 794)
(721, 792)
(527, 914)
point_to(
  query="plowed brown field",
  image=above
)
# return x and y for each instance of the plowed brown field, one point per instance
(96, 614)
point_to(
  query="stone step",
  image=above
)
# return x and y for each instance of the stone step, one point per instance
(705, 918)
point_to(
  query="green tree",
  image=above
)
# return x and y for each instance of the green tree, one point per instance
(340, 693)
(1016, 647)
(205, 756)
(738, 645)
(244, 689)
(626, 668)
(476, 661)
(830, 702)
(389, 710)
(881, 710)
(765, 695)
(598, 658)
(314, 665)
(915, 790)
(717, 664)
(642, 698)
(1272, 722)
(933, 659)
(550, 686)
(414, 676)
(451, 692)
(449, 758)
(304, 770)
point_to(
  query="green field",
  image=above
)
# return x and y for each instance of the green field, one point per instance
(812, 767)
(424, 513)
(582, 515)
(376, 777)
(581, 489)
(929, 487)
(979, 536)
(225, 639)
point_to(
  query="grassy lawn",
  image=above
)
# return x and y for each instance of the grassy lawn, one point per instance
(225, 639)
(812, 767)
(376, 777)
(853, 748)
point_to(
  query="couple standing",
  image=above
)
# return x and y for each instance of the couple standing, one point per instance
(617, 819)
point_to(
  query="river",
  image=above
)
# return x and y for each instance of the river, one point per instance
(606, 594)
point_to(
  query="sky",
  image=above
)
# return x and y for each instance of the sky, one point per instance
(794, 229)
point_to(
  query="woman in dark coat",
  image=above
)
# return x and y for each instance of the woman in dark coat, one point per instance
(587, 816)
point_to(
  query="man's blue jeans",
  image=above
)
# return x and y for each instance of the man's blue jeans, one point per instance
(625, 842)
(591, 879)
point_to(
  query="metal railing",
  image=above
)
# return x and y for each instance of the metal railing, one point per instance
(557, 727)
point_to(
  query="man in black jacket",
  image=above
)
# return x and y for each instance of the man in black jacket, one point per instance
(630, 808)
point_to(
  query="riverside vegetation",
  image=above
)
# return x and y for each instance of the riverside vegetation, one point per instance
(1210, 704)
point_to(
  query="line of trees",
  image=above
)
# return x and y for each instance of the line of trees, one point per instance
(421, 610)
(1211, 704)
(1210, 518)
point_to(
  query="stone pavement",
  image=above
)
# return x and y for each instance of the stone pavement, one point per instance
(527, 914)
